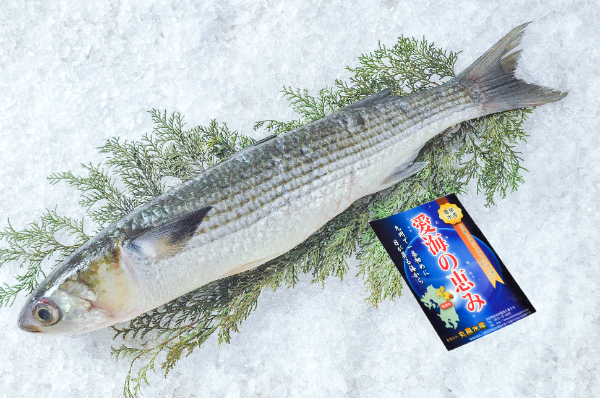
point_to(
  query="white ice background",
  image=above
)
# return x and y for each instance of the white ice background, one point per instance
(73, 75)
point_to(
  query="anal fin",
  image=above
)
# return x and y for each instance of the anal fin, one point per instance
(410, 167)
(402, 173)
(405, 170)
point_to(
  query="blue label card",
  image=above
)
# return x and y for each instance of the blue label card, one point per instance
(453, 272)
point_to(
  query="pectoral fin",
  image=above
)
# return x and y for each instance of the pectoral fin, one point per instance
(168, 239)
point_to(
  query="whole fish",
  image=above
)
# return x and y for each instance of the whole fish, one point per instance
(266, 199)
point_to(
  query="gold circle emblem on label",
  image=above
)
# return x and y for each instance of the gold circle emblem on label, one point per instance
(450, 213)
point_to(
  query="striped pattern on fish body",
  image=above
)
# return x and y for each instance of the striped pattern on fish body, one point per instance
(271, 198)
(266, 199)
(303, 162)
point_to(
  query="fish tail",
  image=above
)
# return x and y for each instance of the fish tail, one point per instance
(494, 77)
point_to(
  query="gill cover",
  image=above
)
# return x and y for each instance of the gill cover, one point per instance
(83, 294)
(97, 286)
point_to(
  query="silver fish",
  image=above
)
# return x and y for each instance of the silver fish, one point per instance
(266, 199)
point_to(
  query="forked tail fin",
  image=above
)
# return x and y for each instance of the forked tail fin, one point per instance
(494, 77)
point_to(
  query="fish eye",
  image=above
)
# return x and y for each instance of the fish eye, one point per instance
(46, 312)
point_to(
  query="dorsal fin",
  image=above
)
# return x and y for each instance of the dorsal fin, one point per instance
(249, 148)
(267, 138)
(167, 239)
(370, 100)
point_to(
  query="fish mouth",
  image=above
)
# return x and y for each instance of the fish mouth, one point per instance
(25, 325)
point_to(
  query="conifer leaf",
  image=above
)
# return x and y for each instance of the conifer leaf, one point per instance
(135, 172)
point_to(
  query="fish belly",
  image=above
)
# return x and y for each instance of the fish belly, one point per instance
(283, 224)
(231, 244)
(282, 227)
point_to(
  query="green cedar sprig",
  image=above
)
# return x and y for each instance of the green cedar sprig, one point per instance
(35, 245)
(482, 150)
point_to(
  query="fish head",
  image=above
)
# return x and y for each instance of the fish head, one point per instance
(91, 289)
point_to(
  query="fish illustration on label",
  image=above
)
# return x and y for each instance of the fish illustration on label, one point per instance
(457, 278)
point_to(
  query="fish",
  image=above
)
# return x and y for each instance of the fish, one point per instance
(267, 198)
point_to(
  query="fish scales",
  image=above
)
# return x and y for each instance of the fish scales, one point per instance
(266, 199)
(326, 147)
(261, 194)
